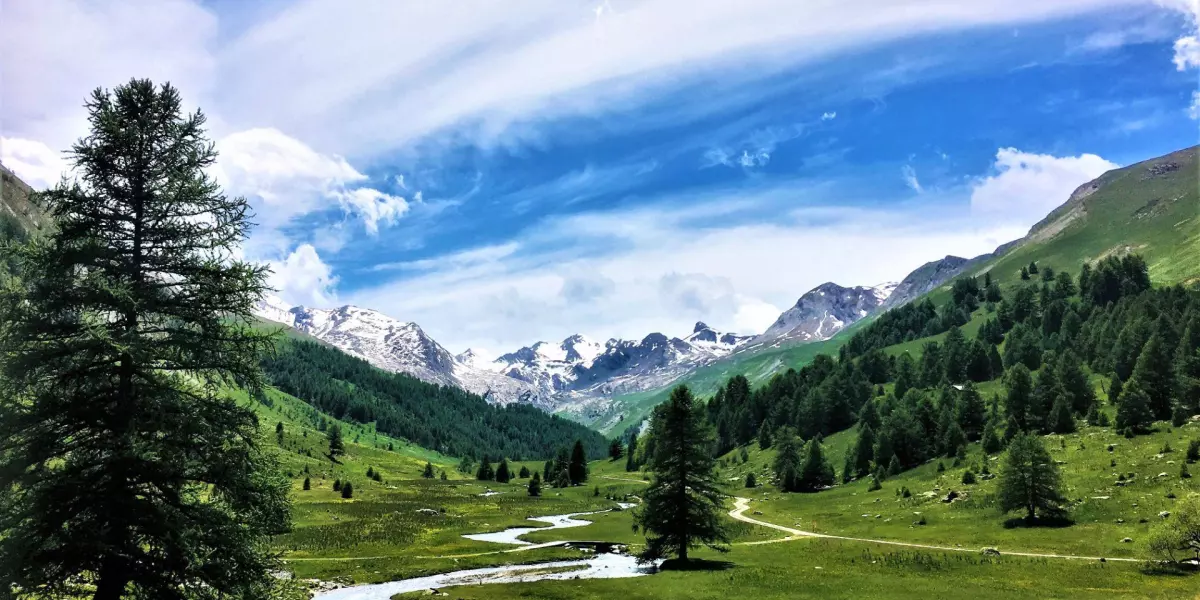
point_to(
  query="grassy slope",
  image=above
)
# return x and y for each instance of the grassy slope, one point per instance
(1157, 216)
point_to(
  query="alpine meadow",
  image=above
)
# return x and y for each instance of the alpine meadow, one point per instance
(614, 299)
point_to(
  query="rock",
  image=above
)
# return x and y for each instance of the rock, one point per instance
(950, 497)
(1143, 520)
(1164, 514)
(1127, 540)
(758, 513)
(1163, 475)
(990, 552)
(1120, 521)
(428, 512)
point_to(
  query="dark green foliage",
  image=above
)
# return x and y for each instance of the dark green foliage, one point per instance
(1113, 278)
(441, 418)
(615, 450)
(485, 471)
(502, 473)
(968, 478)
(347, 490)
(535, 485)
(1193, 451)
(683, 505)
(815, 472)
(751, 482)
(1155, 375)
(105, 446)
(874, 486)
(970, 412)
(1018, 400)
(1030, 480)
(787, 460)
(764, 436)
(1024, 347)
(524, 473)
(279, 432)
(428, 472)
(1114, 390)
(864, 450)
(1061, 419)
(337, 446)
(630, 460)
(562, 480)
(578, 468)
(307, 484)
(337, 485)
(941, 468)
(991, 441)
(1133, 410)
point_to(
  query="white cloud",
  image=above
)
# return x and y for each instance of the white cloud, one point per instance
(303, 278)
(661, 272)
(374, 207)
(300, 71)
(1187, 47)
(1194, 107)
(829, 116)
(910, 178)
(1027, 186)
(34, 162)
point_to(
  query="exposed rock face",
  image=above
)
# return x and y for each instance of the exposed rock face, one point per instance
(824, 311)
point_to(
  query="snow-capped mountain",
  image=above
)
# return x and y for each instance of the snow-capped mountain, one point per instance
(544, 374)
(400, 346)
(824, 311)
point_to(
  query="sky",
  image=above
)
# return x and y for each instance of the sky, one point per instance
(504, 173)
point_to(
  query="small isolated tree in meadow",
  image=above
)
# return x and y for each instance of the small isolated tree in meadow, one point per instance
(524, 473)
(815, 472)
(347, 490)
(428, 472)
(485, 472)
(443, 476)
(578, 469)
(1030, 480)
(307, 484)
(1178, 537)
(1133, 411)
(502, 473)
(787, 460)
(535, 485)
(337, 446)
(683, 504)
(563, 480)
(279, 432)
(751, 482)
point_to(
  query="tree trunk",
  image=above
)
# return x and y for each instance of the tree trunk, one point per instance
(113, 580)
(683, 552)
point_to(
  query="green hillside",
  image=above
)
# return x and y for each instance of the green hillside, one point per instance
(1151, 208)
(18, 214)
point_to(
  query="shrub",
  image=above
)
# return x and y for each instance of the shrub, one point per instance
(875, 485)
(1193, 451)
(307, 484)
(750, 481)
(347, 490)
(968, 477)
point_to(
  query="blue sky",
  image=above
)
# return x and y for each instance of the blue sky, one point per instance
(502, 174)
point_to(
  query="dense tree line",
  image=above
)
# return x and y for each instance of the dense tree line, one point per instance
(1040, 338)
(441, 418)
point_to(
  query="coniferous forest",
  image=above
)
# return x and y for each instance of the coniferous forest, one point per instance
(442, 418)
(1042, 339)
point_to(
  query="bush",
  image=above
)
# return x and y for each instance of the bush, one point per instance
(875, 485)
(307, 484)
(337, 485)
(347, 490)
(1193, 451)
(968, 477)
(1177, 538)
(750, 481)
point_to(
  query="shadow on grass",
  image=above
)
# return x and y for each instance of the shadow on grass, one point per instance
(695, 565)
(1046, 521)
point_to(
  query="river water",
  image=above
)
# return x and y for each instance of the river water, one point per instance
(600, 566)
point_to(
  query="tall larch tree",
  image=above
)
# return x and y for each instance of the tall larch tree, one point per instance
(578, 469)
(1030, 480)
(126, 469)
(683, 504)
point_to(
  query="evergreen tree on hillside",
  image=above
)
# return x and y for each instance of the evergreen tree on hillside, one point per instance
(683, 505)
(630, 458)
(615, 450)
(347, 490)
(578, 467)
(787, 460)
(1061, 419)
(535, 485)
(428, 472)
(1154, 373)
(106, 443)
(337, 446)
(1046, 393)
(1073, 383)
(764, 436)
(815, 472)
(485, 472)
(524, 473)
(1019, 395)
(1115, 388)
(502, 473)
(1030, 480)
(1133, 409)
(906, 375)
(864, 451)
(970, 412)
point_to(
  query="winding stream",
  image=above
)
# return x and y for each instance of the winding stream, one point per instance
(600, 566)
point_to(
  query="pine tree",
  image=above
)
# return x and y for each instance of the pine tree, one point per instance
(535, 485)
(443, 476)
(502, 473)
(631, 464)
(787, 460)
(1114, 390)
(524, 473)
(563, 480)
(485, 472)
(428, 472)
(991, 441)
(750, 480)
(1074, 384)
(279, 432)
(1019, 396)
(578, 468)
(1133, 409)
(615, 450)
(815, 472)
(104, 440)
(764, 436)
(337, 485)
(864, 450)
(683, 504)
(1030, 480)
(337, 446)
(970, 412)
(1154, 373)
(307, 484)
(347, 490)
(1061, 418)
